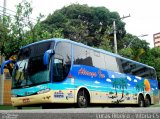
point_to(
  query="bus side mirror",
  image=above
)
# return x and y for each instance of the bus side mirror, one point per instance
(47, 55)
(5, 63)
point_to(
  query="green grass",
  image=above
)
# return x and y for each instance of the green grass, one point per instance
(9, 107)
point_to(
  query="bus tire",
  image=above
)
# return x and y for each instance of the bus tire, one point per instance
(82, 99)
(141, 102)
(19, 107)
(147, 101)
(44, 107)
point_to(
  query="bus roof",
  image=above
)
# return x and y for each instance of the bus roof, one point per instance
(95, 49)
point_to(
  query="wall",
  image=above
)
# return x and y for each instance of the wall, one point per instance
(7, 92)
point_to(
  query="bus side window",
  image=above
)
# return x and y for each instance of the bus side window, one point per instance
(98, 59)
(82, 56)
(152, 74)
(111, 63)
(63, 53)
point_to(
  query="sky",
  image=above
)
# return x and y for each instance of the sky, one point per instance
(144, 14)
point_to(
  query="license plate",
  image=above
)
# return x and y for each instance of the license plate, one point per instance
(26, 100)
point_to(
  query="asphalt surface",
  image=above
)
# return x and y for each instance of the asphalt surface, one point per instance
(84, 113)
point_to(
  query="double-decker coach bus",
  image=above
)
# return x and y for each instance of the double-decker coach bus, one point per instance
(64, 71)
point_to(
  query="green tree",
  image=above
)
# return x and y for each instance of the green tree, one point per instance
(106, 43)
(89, 25)
(115, 85)
(5, 35)
(20, 30)
(133, 47)
(122, 85)
(127, 52)
(152, 58)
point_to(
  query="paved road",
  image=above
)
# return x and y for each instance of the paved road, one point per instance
(89, 110)
(83, 113)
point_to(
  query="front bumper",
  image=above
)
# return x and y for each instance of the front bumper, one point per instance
(53, 96)
(33, 99)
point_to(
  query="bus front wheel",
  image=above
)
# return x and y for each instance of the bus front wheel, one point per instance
(19, 107)
(141, 101)
(82, 99)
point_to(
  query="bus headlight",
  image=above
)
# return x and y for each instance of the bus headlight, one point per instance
(43, 91)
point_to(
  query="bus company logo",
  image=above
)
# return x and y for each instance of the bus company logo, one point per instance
(58, 94)
(87, 73)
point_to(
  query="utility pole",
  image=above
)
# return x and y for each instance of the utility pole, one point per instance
(115, 37)
(4, 8)
(4, 11)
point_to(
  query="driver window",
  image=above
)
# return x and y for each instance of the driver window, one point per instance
(58, 69)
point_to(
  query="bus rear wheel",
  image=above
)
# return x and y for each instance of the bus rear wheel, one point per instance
(141, 101)
(147, 101)
(82, 99)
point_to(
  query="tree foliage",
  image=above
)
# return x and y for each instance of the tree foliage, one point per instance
(89, 25)
(133, 47)
(152, 58)
(20, 30)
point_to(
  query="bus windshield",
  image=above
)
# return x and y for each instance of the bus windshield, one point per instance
(29, 69)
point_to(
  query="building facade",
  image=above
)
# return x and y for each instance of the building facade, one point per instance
(156, 39)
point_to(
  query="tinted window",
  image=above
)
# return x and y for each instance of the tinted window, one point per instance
(82, 56)
(153, 74)
(30, 69)
(63, 53)
(111, 63)
(35, 50)
(85, 56)
(137, 69)
(98, 59)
